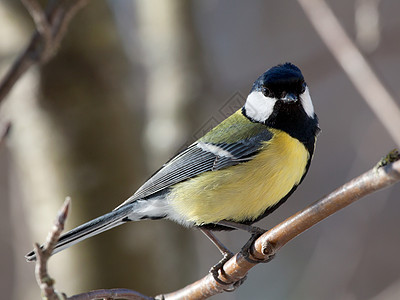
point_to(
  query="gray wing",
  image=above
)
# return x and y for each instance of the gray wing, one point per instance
(198, 158)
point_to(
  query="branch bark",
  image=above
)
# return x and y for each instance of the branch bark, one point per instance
(384, 174)
(51, 25)
(5, 131)
(43, 279)
(110, 294)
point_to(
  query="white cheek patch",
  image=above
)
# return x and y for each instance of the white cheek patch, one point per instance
(307, 103)
(258, 107)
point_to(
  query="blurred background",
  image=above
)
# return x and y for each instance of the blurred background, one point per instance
(133, 82)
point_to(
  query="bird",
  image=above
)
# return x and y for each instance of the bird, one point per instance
(236, 174)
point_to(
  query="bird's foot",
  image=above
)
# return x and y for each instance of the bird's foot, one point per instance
(256, 231)
(218, 268)
(246, 249)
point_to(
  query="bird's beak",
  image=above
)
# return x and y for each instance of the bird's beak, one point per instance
(290, 97)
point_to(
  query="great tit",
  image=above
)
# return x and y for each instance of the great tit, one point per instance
(237, 173)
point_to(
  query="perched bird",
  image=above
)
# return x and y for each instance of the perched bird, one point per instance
(236, 174)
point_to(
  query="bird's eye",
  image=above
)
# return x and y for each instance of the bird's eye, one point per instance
(266, 92)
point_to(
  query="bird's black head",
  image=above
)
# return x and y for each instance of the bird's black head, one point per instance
(283, 82)
(280, 99)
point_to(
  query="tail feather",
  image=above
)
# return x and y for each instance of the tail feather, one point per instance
(91, 228)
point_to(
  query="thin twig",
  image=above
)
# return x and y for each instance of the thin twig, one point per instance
(46, 283)
(43, 254)
(268, 244)
(5, 131)
(354, 64)
(64, 20)
(51, 28)
(110, 294)
(39, 17)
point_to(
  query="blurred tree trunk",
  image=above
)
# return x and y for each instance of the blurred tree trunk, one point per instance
(175, 80)
(170, 55)
(76, 137)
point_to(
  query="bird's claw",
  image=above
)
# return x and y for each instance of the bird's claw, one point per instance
(233, 286)
(219, 266)
(257, 232)
(230, 286)
(246, 249)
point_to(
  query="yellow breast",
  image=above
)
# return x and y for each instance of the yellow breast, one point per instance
(245, 191)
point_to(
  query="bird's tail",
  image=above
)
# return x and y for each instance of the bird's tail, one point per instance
(91, 228)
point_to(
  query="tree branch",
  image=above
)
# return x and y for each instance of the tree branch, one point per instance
(110, 295)
(51, 25)
(43, 254)
(5, 131)
(39, 17)
(46, 283)
(384, 174)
